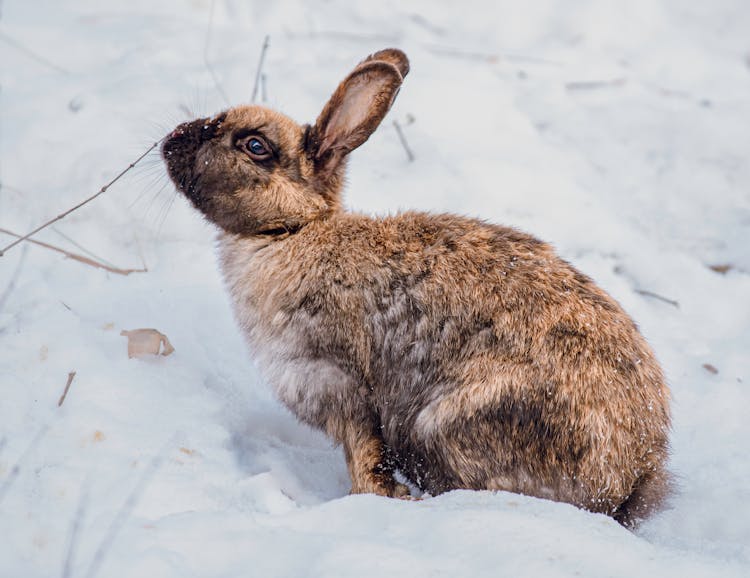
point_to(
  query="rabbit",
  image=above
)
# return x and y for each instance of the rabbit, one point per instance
(463, 354)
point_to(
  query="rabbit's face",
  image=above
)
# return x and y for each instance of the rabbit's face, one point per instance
(254, 171)
(248, 171)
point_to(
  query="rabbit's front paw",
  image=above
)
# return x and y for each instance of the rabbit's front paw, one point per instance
(379, 485)
(368, 465)
(402, 492)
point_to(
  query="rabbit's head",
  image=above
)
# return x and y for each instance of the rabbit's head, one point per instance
(251, 170)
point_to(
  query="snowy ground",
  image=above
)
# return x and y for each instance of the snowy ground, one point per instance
(616, 130)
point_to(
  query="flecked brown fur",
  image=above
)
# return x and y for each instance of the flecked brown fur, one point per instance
(464, 354)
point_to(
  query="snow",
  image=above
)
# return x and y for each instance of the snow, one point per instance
(616, 131)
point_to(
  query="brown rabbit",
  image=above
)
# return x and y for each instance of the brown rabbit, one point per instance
(464, 354)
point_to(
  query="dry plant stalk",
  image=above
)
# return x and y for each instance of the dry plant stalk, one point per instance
(76, 257)
(124, 512)
(710, 368)
(722, 268)
(71, 376)
(259, 71)
(82, 203)
(206, 60)
(595, 84)
(16, 469)
(75, 530)
(32, 54)
(490, 58)
(646, 293)
(404, 143)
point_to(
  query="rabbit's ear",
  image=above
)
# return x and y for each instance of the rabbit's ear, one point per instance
(357, 107)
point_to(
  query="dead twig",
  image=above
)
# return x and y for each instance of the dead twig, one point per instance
(82, 203)
(31, 54)
(6, 187)
(207, 62)
(263, 88)
(722, 268)
(259, 71)
(16, 469)
(659, 297)
(75, 257)
(339, 35)
(140, 252)
(71, 376)
(124, 513)
(402, 138)
(710, 369)
(13, 279)
(1, 137)
(464, 54)
(490, 58)
(595, 84)
(83, 249)
(75, 530)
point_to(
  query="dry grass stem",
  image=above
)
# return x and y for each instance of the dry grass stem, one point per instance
(723, 268)
(487, 57)
(13, 280)
(404, 143)
(31, 54)
(71, 376)
(124, 513)
(595, 84)
(659, 297)
(82, 203)
(263, 88)
(207, 62)
(75, 530)
(259, 71)
(79, 258)
(16, 469)
(710, 368)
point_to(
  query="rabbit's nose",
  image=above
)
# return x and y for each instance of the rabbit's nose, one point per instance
(181, 130)
(179, 136)
(200, 130)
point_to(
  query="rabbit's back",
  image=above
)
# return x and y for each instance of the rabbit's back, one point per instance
(489, 361)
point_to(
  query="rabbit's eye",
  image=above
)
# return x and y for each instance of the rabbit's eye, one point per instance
(257, 148)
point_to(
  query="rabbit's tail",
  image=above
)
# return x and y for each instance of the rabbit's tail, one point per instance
(649, 495)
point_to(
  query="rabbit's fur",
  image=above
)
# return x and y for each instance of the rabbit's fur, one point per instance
(464, 354)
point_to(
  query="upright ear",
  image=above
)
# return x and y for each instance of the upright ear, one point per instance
(357, 107)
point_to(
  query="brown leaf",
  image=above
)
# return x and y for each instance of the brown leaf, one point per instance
(143, 342)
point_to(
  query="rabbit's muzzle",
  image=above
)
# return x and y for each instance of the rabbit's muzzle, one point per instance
(179, 151)
(195, 154)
